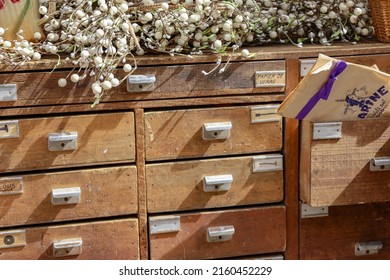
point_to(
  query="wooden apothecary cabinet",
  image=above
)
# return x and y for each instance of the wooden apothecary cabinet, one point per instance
(189, 167)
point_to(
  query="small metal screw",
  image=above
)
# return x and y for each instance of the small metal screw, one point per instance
(215, 133)
(9, 240)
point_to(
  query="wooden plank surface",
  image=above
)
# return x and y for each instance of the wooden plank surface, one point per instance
(262, 52)
(104, 192)
(257, 231)
(41, 88)
(178, 186)
(337, 172)
(104, 138)
(184, 129)
(141, 179)
(291, 170)
(335, 236)
(108, 240)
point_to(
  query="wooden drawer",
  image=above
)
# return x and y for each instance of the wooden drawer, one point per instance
(48, 197)
(185, 236)
(213, 183)
(338, 171)
(337, 235)
(238, 78)
(179, 133)
(109, 240)
(100, 139)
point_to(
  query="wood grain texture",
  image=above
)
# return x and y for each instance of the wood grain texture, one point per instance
(141, 177)
(257, 231)
(262, 52)
(335, 236)
(36, 88)
(337, 172)
(108, 240)
(104, 138)
(104, 192)
(178, 133)
(178, 186)
(147, 104)
(291, 170)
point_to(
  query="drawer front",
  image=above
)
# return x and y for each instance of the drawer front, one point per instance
(43, 198)
(213, 183)
(340, 171)
(219, 234)
(109, 240)
(348, 232)
(238, 78)
(40, 143)
(182, 133)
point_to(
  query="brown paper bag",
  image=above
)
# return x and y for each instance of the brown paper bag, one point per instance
(335, 90)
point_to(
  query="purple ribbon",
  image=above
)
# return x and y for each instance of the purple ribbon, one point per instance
(325, 90)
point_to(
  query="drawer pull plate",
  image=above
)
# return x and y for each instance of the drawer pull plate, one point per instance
(65, 196)
(217, 130)
(267, 163)
(164, 224)
(327, 130)
(313, 212)
(267, 113)
(9, 129)
(380, 164)
(220, 234)
(12, 239)
(141, 83)
(368, 248)
(275, 78)
(11, 186)
(306, 66)
(217, 183)
(67, 247)
(8, 92)
(65, 141)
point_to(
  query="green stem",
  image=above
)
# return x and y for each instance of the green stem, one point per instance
(22, 15)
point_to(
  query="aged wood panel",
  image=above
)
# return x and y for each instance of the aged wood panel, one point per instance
(337, 172)
(335, 236)
(239, 78)
(257, 231)
(179, 185)
(178, 133)
(142, 210)
(263, 52)
(201, 101)
(291, 173)
(382, 61)
(104, 138)
(104, 192)
(106, 240)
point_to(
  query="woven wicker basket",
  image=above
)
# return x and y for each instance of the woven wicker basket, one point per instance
(380, 11)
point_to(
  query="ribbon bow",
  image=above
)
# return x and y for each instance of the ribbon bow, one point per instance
(325, 90)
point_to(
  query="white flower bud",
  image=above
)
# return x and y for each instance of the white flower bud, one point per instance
(127, 68)
(42, 10)
(62, 82)
(74, 78)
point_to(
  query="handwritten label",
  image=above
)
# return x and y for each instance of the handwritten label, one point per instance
(11, 186)
(275, 78)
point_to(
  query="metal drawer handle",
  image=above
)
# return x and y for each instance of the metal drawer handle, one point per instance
(380, 164)
(65, 196)
(141, 83)
(12, 239)
(218, 183)
(62, 141)
(368, 248)
(67, 247)
(9, 129)
(220, 234)
(216, 130)
(8, 92)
